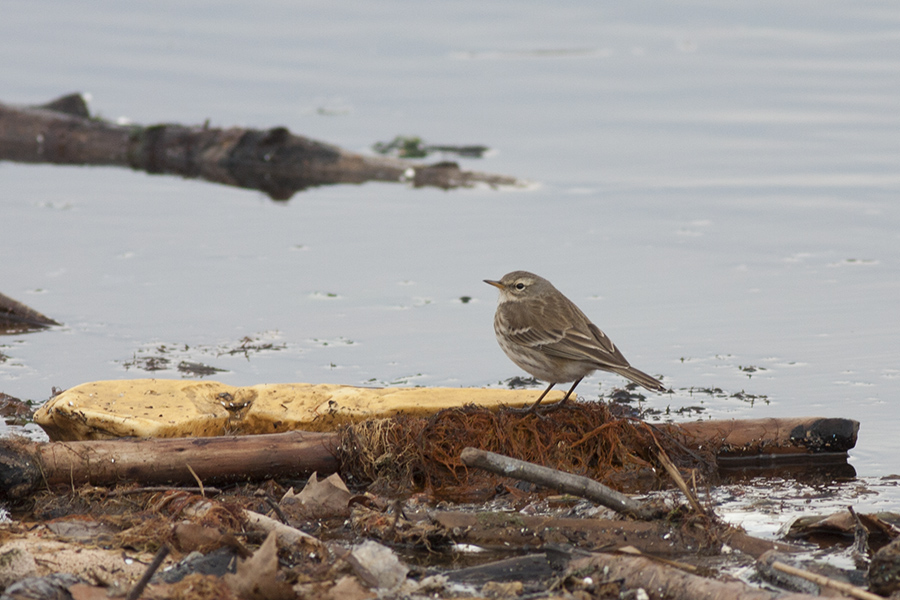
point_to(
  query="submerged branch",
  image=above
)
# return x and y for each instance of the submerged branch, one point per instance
(274, 161)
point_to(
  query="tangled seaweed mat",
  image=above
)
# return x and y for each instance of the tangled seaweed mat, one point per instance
(406, 452)
(177, 408)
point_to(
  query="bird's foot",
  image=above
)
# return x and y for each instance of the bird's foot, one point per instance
(554, 407)
(522, 411)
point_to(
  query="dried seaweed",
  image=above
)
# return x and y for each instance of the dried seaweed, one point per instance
(406, 453)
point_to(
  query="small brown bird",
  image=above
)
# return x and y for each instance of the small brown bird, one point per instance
(545, 334)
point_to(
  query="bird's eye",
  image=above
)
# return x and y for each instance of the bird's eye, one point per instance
(520, 286)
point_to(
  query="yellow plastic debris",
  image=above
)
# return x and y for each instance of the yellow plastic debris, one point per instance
(180, 408)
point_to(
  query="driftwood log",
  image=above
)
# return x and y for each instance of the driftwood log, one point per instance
(661, 581)
(274, 161)
(765, 442)
(504, 530)
(25, 465)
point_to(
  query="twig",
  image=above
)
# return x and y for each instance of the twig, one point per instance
(163, 488)
(199, 483)
(672, 470)
(558, 480)
(276, 509)
(632, 551)
(138, 588)
(841, 586)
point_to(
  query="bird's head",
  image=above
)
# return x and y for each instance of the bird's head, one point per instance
(519, 285)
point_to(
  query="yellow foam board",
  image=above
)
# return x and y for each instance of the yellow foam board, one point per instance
(183, 408)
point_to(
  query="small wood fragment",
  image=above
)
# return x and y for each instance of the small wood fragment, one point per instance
(287, 535)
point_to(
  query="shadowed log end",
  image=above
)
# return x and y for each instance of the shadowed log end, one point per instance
(826, 435)
(19, 471)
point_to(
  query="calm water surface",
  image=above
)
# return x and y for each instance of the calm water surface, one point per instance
(716, 186)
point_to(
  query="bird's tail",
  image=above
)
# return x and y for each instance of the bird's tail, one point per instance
(641, 378)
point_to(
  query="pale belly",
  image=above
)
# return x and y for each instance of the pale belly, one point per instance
(543, 367)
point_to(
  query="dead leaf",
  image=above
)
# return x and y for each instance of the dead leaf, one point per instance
(193, 536)
(319, 499)
(348, 588)
(257, 578)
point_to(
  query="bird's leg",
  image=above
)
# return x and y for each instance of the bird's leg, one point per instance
(571, 389)
(535, 405)
(565, 398)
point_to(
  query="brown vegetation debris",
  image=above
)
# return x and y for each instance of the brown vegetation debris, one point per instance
(205, 511)
(394, 527)
(14, 410)
(143, 521)
(193, 587)
(405, 453)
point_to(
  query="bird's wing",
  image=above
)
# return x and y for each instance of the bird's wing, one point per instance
(590, 346)
(582, 340)
(535, 336)
(569, 342)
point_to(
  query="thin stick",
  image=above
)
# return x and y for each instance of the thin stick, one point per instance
(841, 586)
(632, 551)
(558, 480)
(199, 483)
(138, 588)
(164, 488)
(277, 510)
(677, 478)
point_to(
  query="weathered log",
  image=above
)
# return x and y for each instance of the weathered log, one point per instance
(24, 465)
(536, 567)
(662, 581)
(762, 437)
(506, 530)
(558, 480)
(274, 161)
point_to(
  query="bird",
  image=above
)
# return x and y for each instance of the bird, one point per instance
(545, 334)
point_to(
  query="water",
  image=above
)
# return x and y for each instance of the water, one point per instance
(714, 185)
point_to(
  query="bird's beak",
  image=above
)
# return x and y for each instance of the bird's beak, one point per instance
(496, 284)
